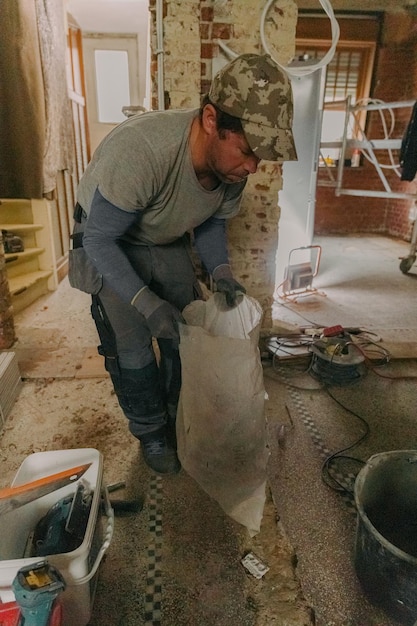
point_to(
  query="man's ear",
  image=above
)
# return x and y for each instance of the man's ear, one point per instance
(209, 119)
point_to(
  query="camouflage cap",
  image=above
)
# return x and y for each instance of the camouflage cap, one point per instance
(253, 88)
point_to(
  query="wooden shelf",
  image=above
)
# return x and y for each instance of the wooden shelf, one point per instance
(20, 227)
(12, 257)
(21, 283)
(32, 272)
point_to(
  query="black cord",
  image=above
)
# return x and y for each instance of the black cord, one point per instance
(276, 346)
(302, 316)
(327, 478)
(329, 374)
(333, 374)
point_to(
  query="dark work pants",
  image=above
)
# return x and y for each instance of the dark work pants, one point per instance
(146, 383)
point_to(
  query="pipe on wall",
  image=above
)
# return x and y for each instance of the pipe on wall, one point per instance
(160, 53)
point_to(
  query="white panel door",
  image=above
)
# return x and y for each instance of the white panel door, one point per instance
(112, 81)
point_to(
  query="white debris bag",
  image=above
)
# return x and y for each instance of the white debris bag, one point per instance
(221, 427)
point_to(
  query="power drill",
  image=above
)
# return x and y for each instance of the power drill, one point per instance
(36, 588)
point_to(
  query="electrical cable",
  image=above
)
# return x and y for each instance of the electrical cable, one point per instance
(293, 296)
(285, 381)
(380, 350)
(386, 357)
(327, 477)
(294, 71)
(277, 345)
(325, 369)
(302, 316)
(368, 348)
(329, 373)
(339, 367)
(304, 71)
(333, 374)
(327, 473)
(329, 377)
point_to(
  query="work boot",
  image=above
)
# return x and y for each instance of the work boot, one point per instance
(158, 453)
(171, 429)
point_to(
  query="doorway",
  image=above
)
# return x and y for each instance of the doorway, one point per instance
(112, 81)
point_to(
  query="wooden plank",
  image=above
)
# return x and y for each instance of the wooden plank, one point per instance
(92, 365)
(400, 349)
(20, 227)
(20, 283)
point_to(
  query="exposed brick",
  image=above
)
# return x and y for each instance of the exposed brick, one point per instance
(205, 86)
(206, 51)
(206, 14)
(205, 31)
(222, 31)
(189, 48)
(7, 329)
(345, 213)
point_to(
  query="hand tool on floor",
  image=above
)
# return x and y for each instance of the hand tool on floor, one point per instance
(14, 497)
(36, 588)
(124, 506)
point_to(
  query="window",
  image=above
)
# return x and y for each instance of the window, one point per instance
(112, 76)
(348, 75)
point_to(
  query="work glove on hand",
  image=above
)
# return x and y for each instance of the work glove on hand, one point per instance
(225, 283)
(161, 317)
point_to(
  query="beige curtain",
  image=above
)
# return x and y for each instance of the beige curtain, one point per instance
(58, 127)
(22, 104)
(35, 115)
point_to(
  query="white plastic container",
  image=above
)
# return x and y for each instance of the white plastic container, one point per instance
(79, 567)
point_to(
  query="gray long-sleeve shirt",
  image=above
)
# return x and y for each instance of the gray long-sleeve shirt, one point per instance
(141, 187)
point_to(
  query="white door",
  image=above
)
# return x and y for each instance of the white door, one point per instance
(112, 81)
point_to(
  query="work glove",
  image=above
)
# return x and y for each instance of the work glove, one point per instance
(161, 317)
(225, 283)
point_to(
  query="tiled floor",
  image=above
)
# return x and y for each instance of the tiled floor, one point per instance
(177, 562)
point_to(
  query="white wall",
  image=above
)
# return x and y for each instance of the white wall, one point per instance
(109, 16)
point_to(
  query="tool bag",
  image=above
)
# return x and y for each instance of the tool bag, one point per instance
(11, 242)
(221, 428)
(82, 273)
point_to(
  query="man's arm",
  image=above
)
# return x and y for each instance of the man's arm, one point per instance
(106, 224)
(211, 244)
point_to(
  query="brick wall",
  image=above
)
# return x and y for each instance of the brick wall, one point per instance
(191, 32)
(350, 214)
(7, 329)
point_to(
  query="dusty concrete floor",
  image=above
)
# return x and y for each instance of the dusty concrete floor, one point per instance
(308, 529)
(178, 561)
(359, 285)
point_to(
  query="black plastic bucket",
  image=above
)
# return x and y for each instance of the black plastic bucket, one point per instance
(386, 533)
